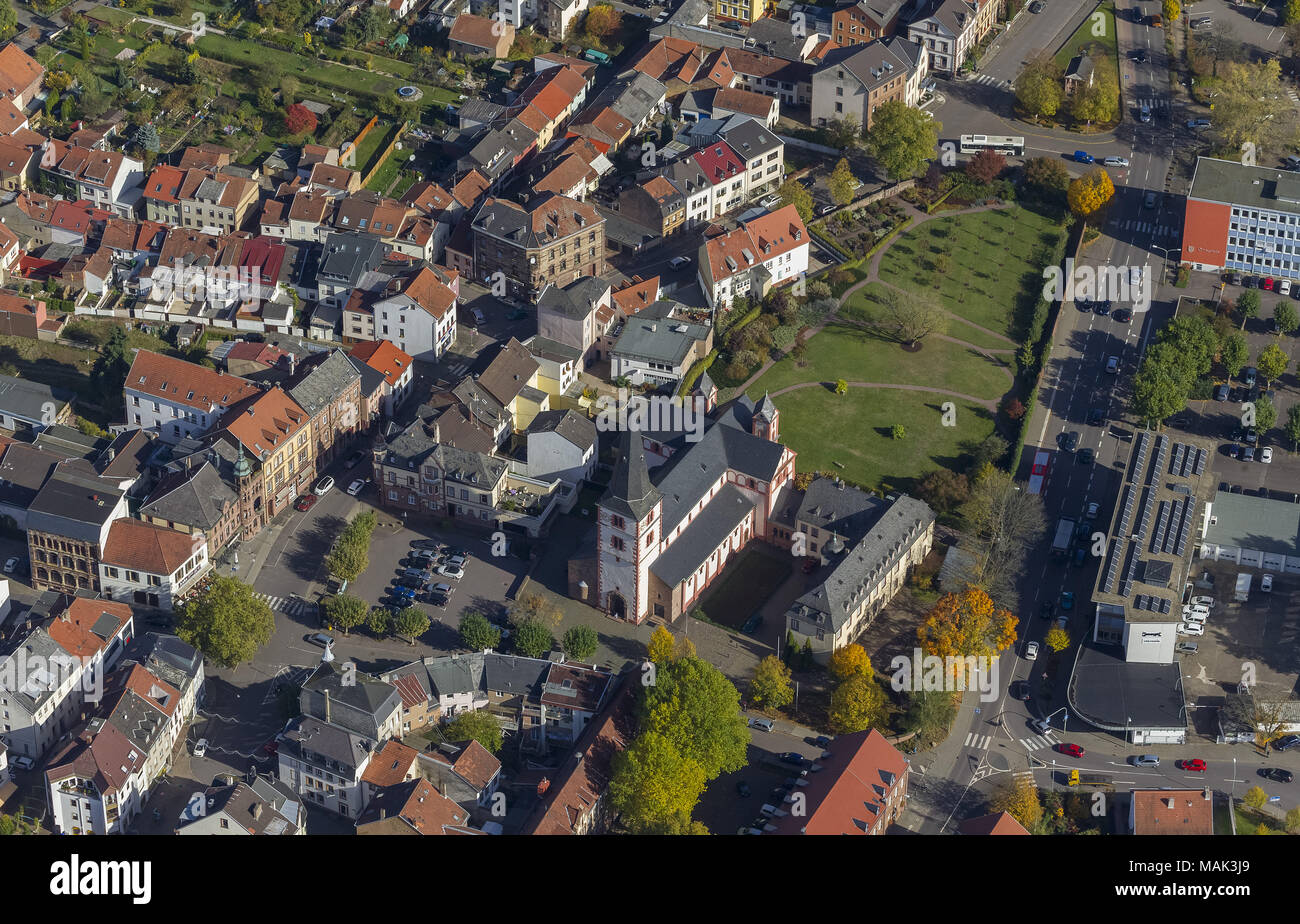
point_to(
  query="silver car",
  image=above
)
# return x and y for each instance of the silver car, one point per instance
(1145, 760)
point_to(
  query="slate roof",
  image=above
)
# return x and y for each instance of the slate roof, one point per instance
(330, 741)
(509, 372)
(576, 300)
(574, 427)
(724, 512)
(846, 510)
(28, 400)
(195, 499)
(654, 337)
(320, 381)
(510, 675)
(630, 492)
(73, 503)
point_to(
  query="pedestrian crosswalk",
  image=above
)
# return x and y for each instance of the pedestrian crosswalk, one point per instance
(979, 742)
(457, 370)
(289, 606)
(1154, 104)
(987, 81)
(1038, 742)
(1295, 97)
(1147, 227)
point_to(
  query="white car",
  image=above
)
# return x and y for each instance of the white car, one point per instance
(323, 487)
(1031, 651)
(1093, 509)
(356, 487)
(1266, 454)
(1196, 618)
(1191, 628)
(11, 565)
(455, 572)
(1266, 583)
(1207, 602)
(201, 747)
(1284, 287)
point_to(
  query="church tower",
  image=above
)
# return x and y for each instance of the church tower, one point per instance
(627, 534)
(705, 389)
(766, 421)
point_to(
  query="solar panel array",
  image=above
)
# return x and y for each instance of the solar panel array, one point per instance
(1130, 572)
(1139, 455)
(1112, 568)
(1180, 450)
(1185, 531)
(1162, 453)
(1151, 602)
(1162, 526)
(1148, 507)
(1188, 461)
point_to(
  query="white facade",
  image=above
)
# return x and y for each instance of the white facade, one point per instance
(552, 456)
(414, 331)
(170, 420)
(160, 590)
(518, 13)
(724, 289)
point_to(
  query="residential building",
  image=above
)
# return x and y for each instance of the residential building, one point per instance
(740, 10)
(264, 807)
(347, 256)
(272, 433)
(789, 81)
(196, 501)
(216, 203)
(417, 314)
(1242, 218)
(949, 29)
(161, 194)
(20, 76)
(858, 22)
(107, 180)
(854, 80)
(627, 106)
(150, 565)
(1187, 812)
(413, 807)
(575, 314)
(396, 367)
(328, 388)
(997, 824)
(479, 37)
(174, 399)
(557, 17)
(658, 345)
(861, 788)
(72, 643)
(561, 444)
(552, 241)
(763, 253)
(68, 524)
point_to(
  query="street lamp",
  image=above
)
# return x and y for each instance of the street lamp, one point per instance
(1165, 251)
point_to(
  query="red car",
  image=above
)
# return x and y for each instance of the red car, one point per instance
(1072, 749)
(1267, 284)
(1196, 765)
(305, 502)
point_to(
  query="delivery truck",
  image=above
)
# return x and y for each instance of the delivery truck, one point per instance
(1242, 593)
(1064, 536)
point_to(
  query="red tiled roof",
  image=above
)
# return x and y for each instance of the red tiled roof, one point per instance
(266, 422)
(186, 383)
(164, 183)
(632, 298)
(384, 357)
(72, 628)
(1172, 811)
(734, 99)
(478, 31)
(999, 823)
(848, 795)
(390, 765)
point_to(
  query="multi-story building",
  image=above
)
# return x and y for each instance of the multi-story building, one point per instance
(1242, 218)
(108, 180)
(949, 29)
(740, 10)
(768, 251)
(417, 313)
(216, 203)
(31, 406)
(575, 314)
(854, 80)
(50, 668)
(150, 565)
(347, 256)
(394, 365)
(194, 500)
(860, 21)
(67, 527)
(262, 807)
(558, 16)
(861, 789)
(788, 81)
(658, 345)
(175, 399)
(161, 194)
(274, 434)
(552, 241)
(328, 388)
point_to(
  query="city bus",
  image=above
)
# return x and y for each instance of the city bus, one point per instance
(1011, 145)
(1038, 475)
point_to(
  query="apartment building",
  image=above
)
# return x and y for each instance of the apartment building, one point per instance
(328, 388)
(949, 29)
(788, 81)
(860, 788)
(68, 524)
(161, 195)
(108, 180)
(150, 565)
(345, 259)
(747, 11)
(215, 203)
(552, 241)
(854, 80)
(861, 21)
(175, 399)
(274, 434)
(1242, 218)
(768, 251)
(393, 364)
(417, 314)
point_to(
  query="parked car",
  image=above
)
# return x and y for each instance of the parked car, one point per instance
(1284, 287)
(1036, 7)
(1266, 583)
(1221, 393)
(355, 459)
(1194, 124)
(305, 502)
(1144, 760)
(1123, 315)
(324, 486)
(1031, 651)
(455, 560)
(1144, 114)
(438, 599)
(1067, 600)
(1267, 284)
(1248, 454)
(400, 592)
(1020, 690)
(320, 638)
(357, 487)
(1191, 628)
(1285, 744)
(1187, 647)
(792, 757)
(411, 582)
(1276, 774)
(679, 262)
(11, 565)
(743, 790)
(1234, 279)
(432, 545)
(200, 747)
(1266, 454)
(1207, 602)
(1073, 750)
(455, 572)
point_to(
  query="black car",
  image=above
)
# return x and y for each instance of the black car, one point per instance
(430, 545)
(1237, 435)
(778, 793)
(1251, 282)
(792, 757)
(439, 599)
(1070, 440)
(413, 583)
(1047, 610)
(1123, 315)
(1096, 417)
(1083, 304)
(1140, 56)
(1251, 436)
(1276, 774)
(1234, 395)
(1020, 690)
(1086, 456)
(1036, 7)
(1221, 392)
(1285, 744)
(1233, 450)
(1102, 307)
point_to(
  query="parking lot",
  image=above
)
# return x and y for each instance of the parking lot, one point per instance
(1258, 636)
(723, 809)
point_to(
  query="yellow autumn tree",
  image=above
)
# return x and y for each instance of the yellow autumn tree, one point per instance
(1019, 799)
(1171, 9)
(850, 661)
(1090, 192)
(661, 647)
(1057, 639)
(966, 624)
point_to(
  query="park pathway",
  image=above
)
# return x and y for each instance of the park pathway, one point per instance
(982, 402)
(873, 275)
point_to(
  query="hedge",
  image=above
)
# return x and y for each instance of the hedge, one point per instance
(693, 374)
(834, 247)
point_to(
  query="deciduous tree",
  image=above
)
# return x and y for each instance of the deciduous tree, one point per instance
(580, 643)
(532, 638)
(694, 706)
(477, 634)
(986, 166)
(850, 661)
(1285, 314)
(793, 193)
(1048, 177)
(1090, 192)
(964, 624)
(770, 686)
(842, 183)
(299, 120)
(227, 622)
(1265, 414)
(478, 725)
(1233, 354)
(654, 787)
(856, 705)
(345, 611)
(411, 623)
(1248, 306)
(1293, 426)
(1019, 799)
(1003, 521)
(1039, 89)
(660, 648)
(944, 490)
(1272, 362)
(902, 139)
(912, 316)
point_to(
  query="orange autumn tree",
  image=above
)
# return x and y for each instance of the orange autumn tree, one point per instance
(966, 624)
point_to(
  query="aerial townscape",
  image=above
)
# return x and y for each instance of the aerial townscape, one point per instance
(733, 417)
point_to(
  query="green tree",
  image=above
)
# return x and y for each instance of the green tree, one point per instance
(1234, 353)
(654, 787)
(911, 316)
(841, 387)
(476, 725)
(1293, 426)
(902, 139)
(856, 705)
(532, 638)
(845, 133)
(793, 193)
(345, 611)
(477, 634)
(1097, 101)
(227, 622)
(347, 560)
(1048, 177)
(1248, 107)
(146, 138)
(580, 643)
(1272, 362)
(771, 684)
(8, 20)
(842, 183)
(1162, 384)
(1285, 316)
(1290, 12)
(695, 707)
(1039, 89)
(1255, 797)
(897, 432)
(380, 621)
(411, 623)
(1194, 339)
(1265, 414)
(108, 375)
(1248, 306)
(661, 648)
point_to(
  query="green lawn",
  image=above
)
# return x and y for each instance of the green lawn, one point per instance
(856, 354)
(1085, 38)
(848, 434)
(991, 257)
(864, 306)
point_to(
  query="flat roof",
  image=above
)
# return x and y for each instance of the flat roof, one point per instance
(1114, 694)
(1258, 523)
(1270, 188)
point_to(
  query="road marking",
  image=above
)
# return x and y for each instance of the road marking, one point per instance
(1038, 742)
(979, 742)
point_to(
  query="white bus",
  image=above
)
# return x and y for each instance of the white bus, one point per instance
(1038, 474)
(1012, 145)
